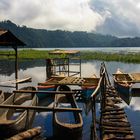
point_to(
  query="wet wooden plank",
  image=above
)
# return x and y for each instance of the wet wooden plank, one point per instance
(114, 116)
(117, 128)
(114, 113)
(112, 109)
(113, 137)
(118, 131)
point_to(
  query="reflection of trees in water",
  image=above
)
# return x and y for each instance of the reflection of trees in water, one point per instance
(7, 67)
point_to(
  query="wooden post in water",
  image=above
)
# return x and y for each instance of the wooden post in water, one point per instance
(49, 70)
(16, 65)
(80, 68)
(93, 127)
(68, 67)
(102, 74)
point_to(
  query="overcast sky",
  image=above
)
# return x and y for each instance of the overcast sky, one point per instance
(116, 17)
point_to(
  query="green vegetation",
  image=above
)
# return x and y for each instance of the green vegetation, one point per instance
(28, 54)
(129, 58)
(85, 55)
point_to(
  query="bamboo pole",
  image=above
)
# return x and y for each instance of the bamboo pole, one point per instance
(16, 65)
(44, 92)
(94, 120)
(41, 108)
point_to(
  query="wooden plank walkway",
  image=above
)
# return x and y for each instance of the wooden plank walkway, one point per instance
(114, 123)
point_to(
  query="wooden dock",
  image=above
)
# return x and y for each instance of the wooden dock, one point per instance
(114, 123)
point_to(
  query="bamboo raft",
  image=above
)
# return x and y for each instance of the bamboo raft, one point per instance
(114, 123)
(71, 81)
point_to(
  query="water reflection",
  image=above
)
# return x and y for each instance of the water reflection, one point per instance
(36, 69)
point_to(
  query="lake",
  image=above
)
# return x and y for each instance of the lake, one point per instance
(37, 70)
(102, 49)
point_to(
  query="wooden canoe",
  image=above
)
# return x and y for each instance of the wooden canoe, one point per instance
(67, 125)
(122, 86)
(13, 121)
(88, 90)
(1, 96)
(41, 87)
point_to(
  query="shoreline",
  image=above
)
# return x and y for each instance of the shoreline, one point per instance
(85, 55)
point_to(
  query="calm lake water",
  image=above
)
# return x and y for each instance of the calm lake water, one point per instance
(37, 70)
(102, 49)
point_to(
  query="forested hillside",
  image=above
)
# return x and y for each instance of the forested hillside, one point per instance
(41, 38)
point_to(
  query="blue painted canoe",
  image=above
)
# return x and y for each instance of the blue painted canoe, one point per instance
(122, 86)
(45, 88)
(88, 90)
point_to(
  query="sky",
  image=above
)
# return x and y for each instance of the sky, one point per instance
(115, 17)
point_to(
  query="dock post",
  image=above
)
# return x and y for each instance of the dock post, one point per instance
(102, 74)
(16, 65)
(93, 129)
(49, 70)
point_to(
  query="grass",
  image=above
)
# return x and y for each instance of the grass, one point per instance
(85, 55)
(129, 57)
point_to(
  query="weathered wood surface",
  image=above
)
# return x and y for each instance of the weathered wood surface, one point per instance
(29, 134)
(82, 81)
(41, 108)
(44, 92)
(114, 123)
(27, 79)
(114, 113)
(8, 124)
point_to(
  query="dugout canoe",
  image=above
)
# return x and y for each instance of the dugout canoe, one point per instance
(13, 121)
(67, 124)
(1, 96)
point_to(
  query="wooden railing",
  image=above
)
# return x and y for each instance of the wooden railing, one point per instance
(98, 93)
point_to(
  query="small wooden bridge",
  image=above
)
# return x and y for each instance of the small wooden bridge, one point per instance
(113, 123)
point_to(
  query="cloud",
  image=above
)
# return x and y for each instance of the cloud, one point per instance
(124, 17)
(117, 17)
(52, 14)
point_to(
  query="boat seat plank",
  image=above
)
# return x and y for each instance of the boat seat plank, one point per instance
(136, 76)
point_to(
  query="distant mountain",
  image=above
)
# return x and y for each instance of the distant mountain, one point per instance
(39, 38)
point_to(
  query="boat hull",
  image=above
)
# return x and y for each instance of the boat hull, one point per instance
(124, 92)
(65, 129)
(45, 88)
(12, 122)
(123, 88)
(87, 91)
(1, 96)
